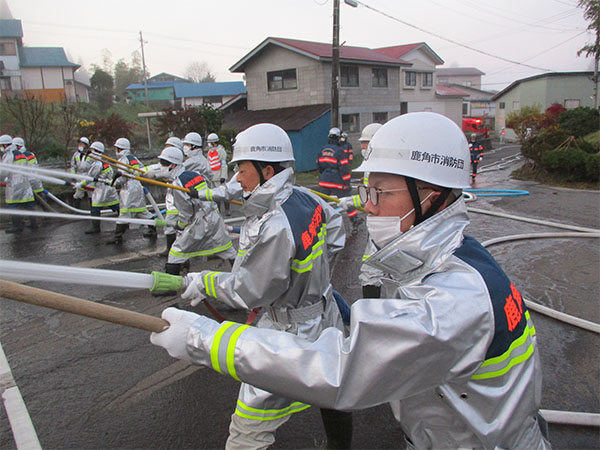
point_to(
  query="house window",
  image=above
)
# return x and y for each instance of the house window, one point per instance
(410, 79)
(350, 123)
(465, 111)
(516, 105)
(403, 107)
(572, 103)
(348, 76)
(5, 84)
(380, 117)
(379, 77)
(8, 49)
(282, 80)
(212, 100)
(501, 105)
(466, 83)
(427, 79)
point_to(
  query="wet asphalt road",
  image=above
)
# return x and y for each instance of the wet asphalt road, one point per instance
(89, 384)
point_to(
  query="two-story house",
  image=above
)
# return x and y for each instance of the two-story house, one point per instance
(286, 76)
(41, 72)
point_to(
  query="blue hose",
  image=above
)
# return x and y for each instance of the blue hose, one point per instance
(497, 192)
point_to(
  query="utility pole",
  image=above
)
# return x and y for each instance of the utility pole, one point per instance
(145, 90)
(335, 66)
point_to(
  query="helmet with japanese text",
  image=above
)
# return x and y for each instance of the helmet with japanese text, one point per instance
(263, 142)
(97, 147)
(424, 146)
(368, 132)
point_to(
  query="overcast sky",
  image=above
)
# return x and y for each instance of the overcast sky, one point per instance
(544, 34)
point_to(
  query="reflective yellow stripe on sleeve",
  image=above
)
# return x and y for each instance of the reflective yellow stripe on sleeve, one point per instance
(317, 250)
(222, 351)
(520, 350)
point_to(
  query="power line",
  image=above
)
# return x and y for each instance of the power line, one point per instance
(451, 40)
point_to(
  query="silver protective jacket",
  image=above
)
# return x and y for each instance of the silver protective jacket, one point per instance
(131, 191)
(80, 163)
(198, 163)
(17, 190)
(285, 247)
(36, 183)
(202, 229)
(103, 194)
(451, 346)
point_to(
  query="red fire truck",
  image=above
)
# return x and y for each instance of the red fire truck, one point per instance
(475, 125)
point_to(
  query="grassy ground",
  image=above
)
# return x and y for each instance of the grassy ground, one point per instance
(530, 173)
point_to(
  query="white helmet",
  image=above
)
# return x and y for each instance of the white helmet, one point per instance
(5, 139)
(171, 154)
(422, 145)
(18, 141)
(193, 138)
(368, 132)
(85, 140)
(174, 142)
(334, 132)
(97, 146)
(212, 137)
(123, 144)
(263, 142)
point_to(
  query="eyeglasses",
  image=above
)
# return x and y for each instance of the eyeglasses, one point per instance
(365, 193)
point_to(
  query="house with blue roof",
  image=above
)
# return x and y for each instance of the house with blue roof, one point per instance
(214, 94)
(183, 94)
(42, 72)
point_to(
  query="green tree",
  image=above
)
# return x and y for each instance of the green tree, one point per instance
(201, 119)
(591, 12)
(528, 117)
(126, 74)
(580, 121)
(102, 88)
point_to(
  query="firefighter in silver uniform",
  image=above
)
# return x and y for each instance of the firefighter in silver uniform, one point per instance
(36, 184)
(80, 164)
(104, 195)
(286, 243)
(131, 192)
(172, 214)
(451, 344)
(195, 160)
(17, 192)
(201, 230)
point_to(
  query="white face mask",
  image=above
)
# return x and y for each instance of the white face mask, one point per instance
(187, 149)
(384, 230)
(81, 149)
(363, 152)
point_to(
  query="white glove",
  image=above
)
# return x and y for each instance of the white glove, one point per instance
(78, 185)
(347, 203)
(195, 290)
(174, 338)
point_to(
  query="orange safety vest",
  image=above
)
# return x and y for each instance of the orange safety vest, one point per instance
(213, 160)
